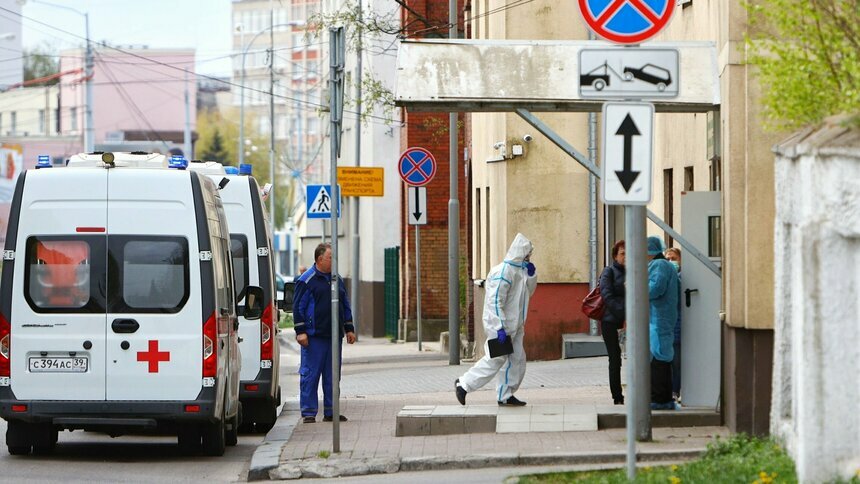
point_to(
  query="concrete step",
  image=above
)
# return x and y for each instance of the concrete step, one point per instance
(417, 420)
(581, 345)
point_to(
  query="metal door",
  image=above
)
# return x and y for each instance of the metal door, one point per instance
(701, 297)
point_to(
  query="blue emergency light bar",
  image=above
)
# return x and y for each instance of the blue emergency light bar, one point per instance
(44, 162)
(245, 169)
(231, 170)
(177, 161)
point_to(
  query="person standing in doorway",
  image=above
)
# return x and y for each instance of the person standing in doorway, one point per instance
(312, 316)
(663, 286)
(612, 292)
(509, 287)
(673, 255)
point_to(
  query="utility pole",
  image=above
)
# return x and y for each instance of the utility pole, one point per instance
(453, 222)
(336, 54)
(186, 148)
(356, 240)
(272, 116)
(89, 128)
(242, 98)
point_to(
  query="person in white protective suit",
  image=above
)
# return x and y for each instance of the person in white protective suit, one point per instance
(508, 289)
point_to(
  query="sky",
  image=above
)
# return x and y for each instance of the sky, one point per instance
(204, 25)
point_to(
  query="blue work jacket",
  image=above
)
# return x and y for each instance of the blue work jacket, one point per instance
(312, 305)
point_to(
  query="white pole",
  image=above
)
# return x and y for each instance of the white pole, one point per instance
(89, 128)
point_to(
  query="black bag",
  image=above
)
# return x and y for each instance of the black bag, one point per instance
(500, 349)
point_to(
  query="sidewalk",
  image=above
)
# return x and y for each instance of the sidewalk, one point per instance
(380, 378)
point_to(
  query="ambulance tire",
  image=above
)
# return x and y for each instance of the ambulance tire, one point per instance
(215, 437)
(233, 431)
(189, 439)
(267, 420)
(18, 438)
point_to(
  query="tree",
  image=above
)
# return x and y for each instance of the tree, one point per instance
(808, 57)
(38, 63)
(215, 151)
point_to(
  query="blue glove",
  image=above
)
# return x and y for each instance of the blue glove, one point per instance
(502, 335)
(530, 268)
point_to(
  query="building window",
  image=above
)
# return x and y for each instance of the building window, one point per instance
(689, 186)
(668, 202)
(1, 124)
(298, 11)
(487, 241)
(14, 121)
(281, 126)
(716, 172)
(478, 246)
(41, 121)
(715, 236)
(73, 113)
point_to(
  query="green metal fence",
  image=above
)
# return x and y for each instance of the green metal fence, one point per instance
(392, 290)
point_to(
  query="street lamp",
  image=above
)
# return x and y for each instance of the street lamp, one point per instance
(89, 129)
(270, 28)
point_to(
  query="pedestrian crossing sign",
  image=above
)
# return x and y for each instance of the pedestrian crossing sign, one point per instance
(319, 201)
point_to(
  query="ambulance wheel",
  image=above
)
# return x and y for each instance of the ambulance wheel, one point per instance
(215, 438)
(233, 431)
(267, 420)
(18, 438)
(189, 439)
(19, 449)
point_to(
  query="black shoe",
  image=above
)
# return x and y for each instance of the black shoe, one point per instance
(512, 401)
(309, 419)
(461, 394)
(329, 418)
(618, 401)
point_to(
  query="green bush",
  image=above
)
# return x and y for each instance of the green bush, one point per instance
(741, 459)
(286, 320)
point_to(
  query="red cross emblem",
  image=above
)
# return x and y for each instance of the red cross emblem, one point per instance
(153, 356)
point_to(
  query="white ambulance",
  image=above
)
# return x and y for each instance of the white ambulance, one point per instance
(117, 310)
(253, 264)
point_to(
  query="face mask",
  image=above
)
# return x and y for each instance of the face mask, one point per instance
(676, 264)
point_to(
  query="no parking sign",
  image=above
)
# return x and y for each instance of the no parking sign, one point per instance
(626, 21)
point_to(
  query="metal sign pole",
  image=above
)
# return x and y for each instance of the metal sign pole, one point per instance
(418, 279)
(638, 351)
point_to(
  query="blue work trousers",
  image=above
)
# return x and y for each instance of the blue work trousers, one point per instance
(316, 362)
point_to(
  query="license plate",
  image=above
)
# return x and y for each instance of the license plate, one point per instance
(58, 365)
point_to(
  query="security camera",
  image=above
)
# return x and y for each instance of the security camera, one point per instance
(528, 138)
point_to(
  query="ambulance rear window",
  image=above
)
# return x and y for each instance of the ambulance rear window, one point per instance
(239, 253)
(61, 274)
(149, 273)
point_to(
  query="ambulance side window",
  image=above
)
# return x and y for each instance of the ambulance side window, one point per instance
(63, 274)
(149, 274)
(239, 253)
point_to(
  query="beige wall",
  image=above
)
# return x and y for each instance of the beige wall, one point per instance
(747, 162)
(544, 193)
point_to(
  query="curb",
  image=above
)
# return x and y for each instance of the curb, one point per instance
(346, 467)
(267, 456)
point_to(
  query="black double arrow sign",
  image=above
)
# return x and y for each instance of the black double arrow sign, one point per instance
(628, 130)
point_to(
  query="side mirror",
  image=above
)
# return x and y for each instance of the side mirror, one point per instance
(289, 290)
(253, 302)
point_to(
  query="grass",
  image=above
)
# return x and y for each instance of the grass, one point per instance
(740, 458)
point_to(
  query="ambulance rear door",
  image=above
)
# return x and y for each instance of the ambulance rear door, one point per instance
(56, 308)
(154, 321)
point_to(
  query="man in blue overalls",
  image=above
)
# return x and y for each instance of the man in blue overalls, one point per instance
(312, 316)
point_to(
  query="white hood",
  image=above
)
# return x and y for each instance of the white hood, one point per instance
(520, 248)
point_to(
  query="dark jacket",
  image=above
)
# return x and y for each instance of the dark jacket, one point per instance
(612, 292)
(312, 305)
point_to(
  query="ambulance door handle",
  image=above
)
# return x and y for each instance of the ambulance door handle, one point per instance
(124, 326)
(687, 293)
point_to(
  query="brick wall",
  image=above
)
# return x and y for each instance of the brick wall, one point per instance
(430, 131)
(429, 19)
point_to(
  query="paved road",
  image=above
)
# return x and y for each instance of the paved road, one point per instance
(93, 457)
